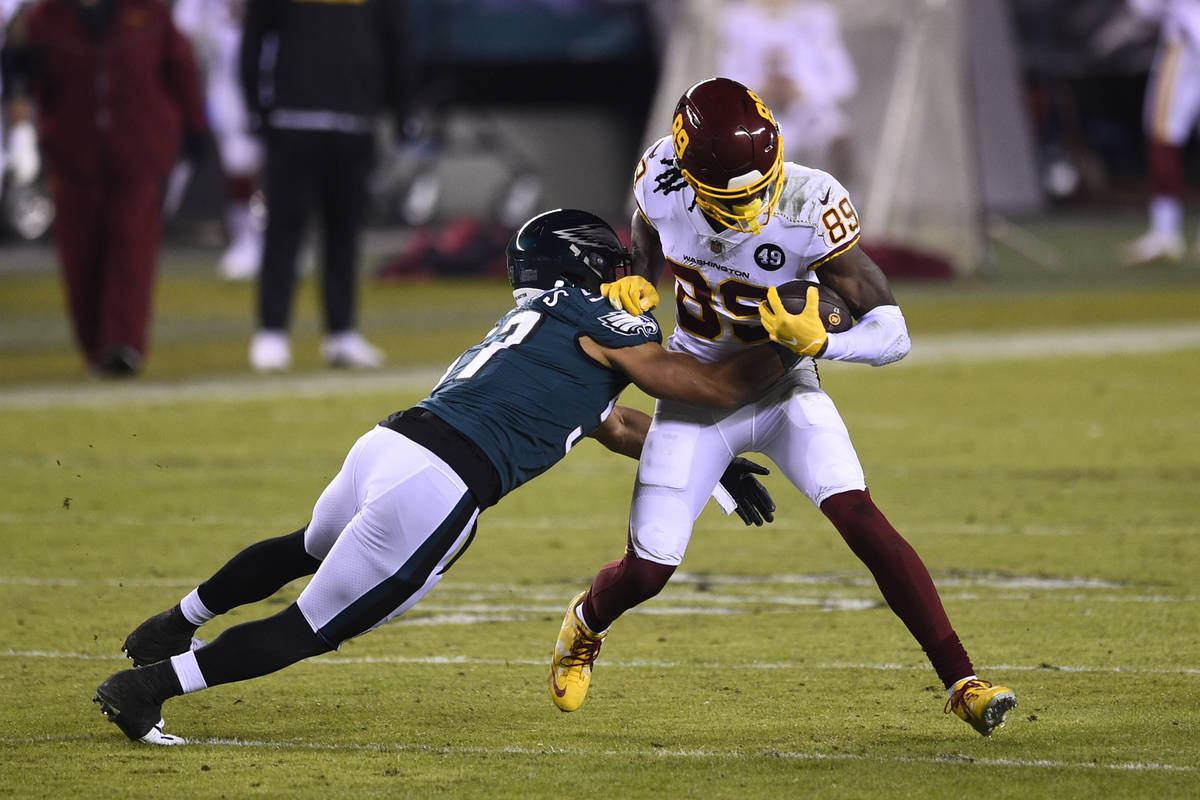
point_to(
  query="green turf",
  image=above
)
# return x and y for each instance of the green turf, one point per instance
(1053, 498)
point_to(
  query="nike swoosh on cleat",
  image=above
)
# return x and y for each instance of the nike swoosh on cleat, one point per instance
(554, 687)
(825, 197)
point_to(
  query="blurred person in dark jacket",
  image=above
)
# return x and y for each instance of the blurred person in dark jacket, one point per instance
(316, 73)
(118, 100)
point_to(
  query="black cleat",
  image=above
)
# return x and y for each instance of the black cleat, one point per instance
(160, 637)
(128, 700)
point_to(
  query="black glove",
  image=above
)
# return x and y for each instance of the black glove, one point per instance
(754, 503)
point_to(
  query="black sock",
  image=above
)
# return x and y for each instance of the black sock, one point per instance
(258, 648)
(258, 572)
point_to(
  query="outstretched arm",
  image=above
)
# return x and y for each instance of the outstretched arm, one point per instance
(675, 376)
(623, 431)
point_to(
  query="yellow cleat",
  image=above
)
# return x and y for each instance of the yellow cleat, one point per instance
(574, 653)
(981, 704)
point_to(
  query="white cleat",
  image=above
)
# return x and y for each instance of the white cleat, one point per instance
(270, 351)
(350, 349)
(1154, 246)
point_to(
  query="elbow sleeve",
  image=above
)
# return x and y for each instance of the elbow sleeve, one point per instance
(880, 337)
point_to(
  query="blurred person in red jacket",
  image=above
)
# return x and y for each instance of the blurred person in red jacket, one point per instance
(118, 100)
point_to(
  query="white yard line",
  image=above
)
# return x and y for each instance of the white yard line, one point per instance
(949, 759)
(792, 666)
(1097, 342)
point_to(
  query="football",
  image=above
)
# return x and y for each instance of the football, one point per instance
(835, 314)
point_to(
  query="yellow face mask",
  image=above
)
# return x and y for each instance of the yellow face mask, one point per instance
(746, 208)
(749, 213)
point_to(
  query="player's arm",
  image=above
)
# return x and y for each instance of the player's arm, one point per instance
(859, 281)
(635, 293)
(257, 23)
(624, 431)
(674, 376)
(880, 333)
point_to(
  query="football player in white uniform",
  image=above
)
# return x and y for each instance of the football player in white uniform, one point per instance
(215, 29)
(717, 202)
(1170, 114)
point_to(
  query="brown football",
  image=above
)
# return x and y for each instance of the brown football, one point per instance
(835, 314)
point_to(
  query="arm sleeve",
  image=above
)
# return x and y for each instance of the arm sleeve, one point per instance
(398, 58)
(254, 27)
(879, 337)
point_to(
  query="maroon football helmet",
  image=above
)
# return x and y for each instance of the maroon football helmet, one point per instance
(728, 148)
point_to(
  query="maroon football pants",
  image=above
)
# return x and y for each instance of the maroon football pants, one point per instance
(107, 233)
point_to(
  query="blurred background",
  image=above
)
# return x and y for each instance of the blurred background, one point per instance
(1009, 107)
(968, 131)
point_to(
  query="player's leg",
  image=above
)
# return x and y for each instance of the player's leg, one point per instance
(241, 160)
(808, 441)
(290, 189)
(133, 231)
(683, 457)
(78, 238)
(1169, 113)
(343, 210)
(255, 573)
(416, 519)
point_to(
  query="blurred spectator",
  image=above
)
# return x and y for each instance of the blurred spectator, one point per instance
(20, 156)
(1170, 113)
(792, 50)
(315, 75)
(116, 93)
(215, 30)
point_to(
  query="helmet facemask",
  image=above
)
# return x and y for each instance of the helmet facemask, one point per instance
(749, 201)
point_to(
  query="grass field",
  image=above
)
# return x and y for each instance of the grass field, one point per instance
(1040, 449)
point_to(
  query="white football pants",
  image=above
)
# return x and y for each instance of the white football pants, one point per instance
(386, 529)
(794, 423)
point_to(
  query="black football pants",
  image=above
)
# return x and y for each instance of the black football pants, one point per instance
(306, 170)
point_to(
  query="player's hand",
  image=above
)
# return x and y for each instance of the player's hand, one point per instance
(754, 503)
(802, 333)
(633, 293)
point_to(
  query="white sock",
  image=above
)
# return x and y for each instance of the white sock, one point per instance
(1166, 214)
(950, 691)
(194, 611)
(191, 679)
(586, 626)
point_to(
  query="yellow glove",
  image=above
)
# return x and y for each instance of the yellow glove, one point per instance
(633, 293)
(801, 333)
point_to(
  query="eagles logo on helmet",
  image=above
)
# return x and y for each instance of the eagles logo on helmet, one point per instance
(564, 246)
(728, 149)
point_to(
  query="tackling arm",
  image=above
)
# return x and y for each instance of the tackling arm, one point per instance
(675, 376)
(623, 431)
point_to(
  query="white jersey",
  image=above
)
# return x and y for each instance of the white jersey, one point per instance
(721, 277)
